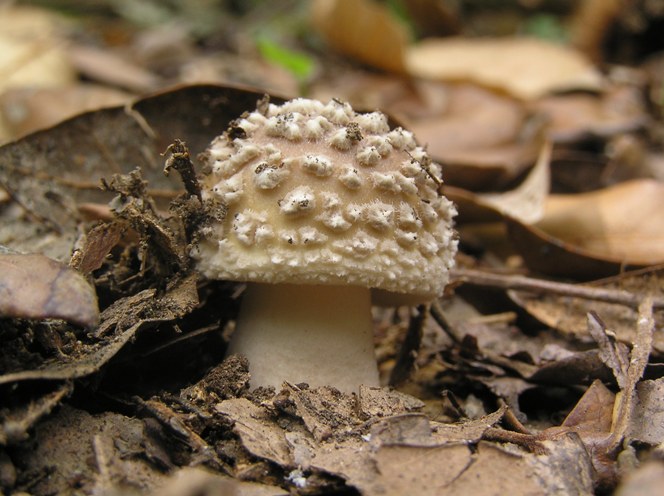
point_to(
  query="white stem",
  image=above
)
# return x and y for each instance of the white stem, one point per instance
(321, 335)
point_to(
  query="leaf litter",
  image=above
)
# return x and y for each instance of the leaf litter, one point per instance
(536, 386)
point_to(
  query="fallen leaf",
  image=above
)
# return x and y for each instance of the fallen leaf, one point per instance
(578, 116)
(647, 480)
(483, 138)
(362, 29)
(107, 67)
(568, 314)
(94, 452)
(647, 423)
(51, 172)
(25, 110)
(119, 324)
(32, 52)
(592, 416)
(540, 67)
(525, 202)
(621, 223)
(546, 254)
(36, 287)
(258, 432)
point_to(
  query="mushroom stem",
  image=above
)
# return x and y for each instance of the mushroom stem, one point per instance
(321, 335)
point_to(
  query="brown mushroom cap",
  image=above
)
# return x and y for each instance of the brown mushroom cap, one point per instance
(319, 194)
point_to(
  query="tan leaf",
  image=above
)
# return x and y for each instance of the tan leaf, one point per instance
(525, 202)
(25, 110)
(362, 29)
(36, 287)
(527, 68)
(31, 51)
(622, 223)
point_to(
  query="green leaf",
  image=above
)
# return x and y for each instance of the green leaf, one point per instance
(297, 63)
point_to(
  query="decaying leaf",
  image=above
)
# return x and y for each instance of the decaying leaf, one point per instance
(53, 172)
(591, 417)
(527, 68)
(362, 29)
(36, 287)
(647, 425)
(120, 322)
(106, 451)
(568, 314)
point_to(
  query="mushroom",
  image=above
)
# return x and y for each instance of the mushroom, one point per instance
(324, 205)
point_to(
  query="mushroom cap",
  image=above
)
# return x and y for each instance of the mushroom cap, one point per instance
(319, 194)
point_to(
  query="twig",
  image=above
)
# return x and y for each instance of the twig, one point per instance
(517, 282)
(527, 441)
(410, 348)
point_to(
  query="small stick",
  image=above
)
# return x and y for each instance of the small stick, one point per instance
(518, 282)
(406, 360)
(181, 162)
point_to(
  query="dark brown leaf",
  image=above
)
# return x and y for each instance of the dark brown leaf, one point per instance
(36, 287)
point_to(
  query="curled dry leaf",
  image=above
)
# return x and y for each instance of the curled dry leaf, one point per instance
(25, 110)
(362, 29)
(595, 234)
(36, 287)
(541, 67)
(119, 324)
(483, 138)
(621, 223)
(525, 202)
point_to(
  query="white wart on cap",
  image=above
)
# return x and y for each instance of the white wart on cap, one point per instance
(319, 194)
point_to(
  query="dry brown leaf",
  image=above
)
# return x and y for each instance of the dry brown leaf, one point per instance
(119, 324)
(647, 424)
(52, 172)
(36, 287)
(259, 433)
(483, 139)
(568, 314)
(108, 67)
(647, 480)
(25, 110)
(527, 68)
(362, 29)
(100, 451)
(525, 202)
(592, 415)
(621, 223)
(577, 116)
(32, 53)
